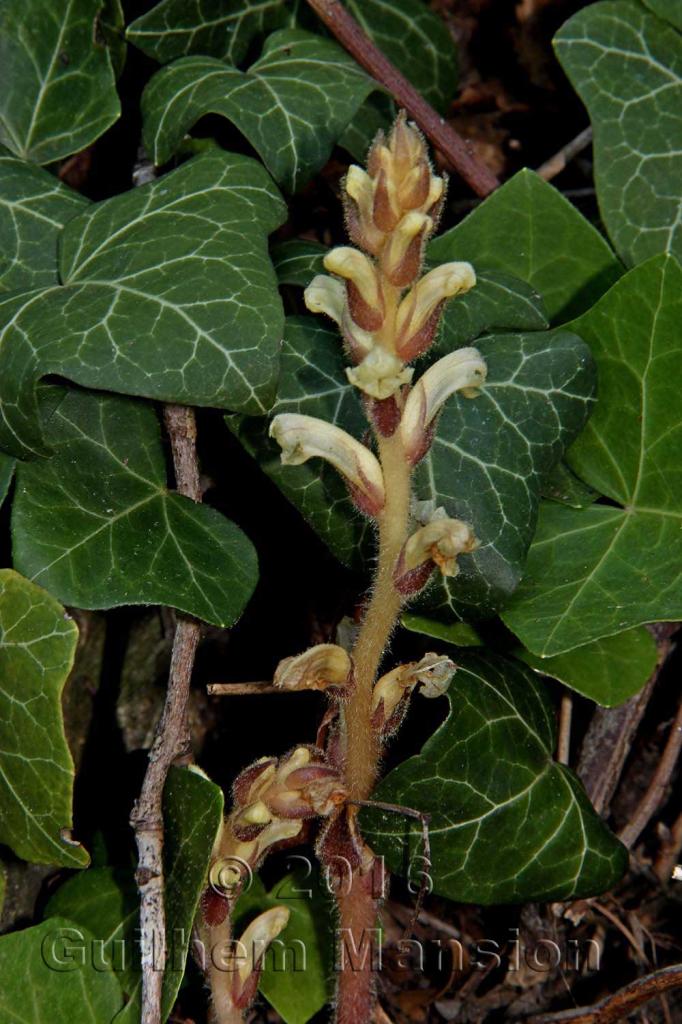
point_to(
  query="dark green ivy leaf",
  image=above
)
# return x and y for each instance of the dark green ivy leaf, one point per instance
(508, 824)
(97, 526)
(595, 571)
(49, 976)
(216, 28)
(167, 292)
(608, 671)
(292, 104)
(528, 229)
(34, 207)
(37, 646)
(104, 900)
(626, 66)
(57, 88)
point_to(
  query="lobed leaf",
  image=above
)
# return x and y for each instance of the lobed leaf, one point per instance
(166, 292)
(37, 646)
(97, 526)
(507, 823)
(528, 229)
(626, 65)
(595, 571)
(292, 104)
(57, 88)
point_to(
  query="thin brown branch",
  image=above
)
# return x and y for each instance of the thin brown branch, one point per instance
(556, 164)
(621, 1004)
(442, 135)
(653, 797)
(171, 744)
(609, 737)
(565, 717)
(245, 689)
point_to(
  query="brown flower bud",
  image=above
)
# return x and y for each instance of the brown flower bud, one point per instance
(318, 668)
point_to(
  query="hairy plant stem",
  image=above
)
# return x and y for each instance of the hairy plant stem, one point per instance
(358, 907)
(362, 743)
(219, 940)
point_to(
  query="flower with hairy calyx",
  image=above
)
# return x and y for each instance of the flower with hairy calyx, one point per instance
(464, 371)
(323, 667)
(304, 437)
(363, 287)
(305, 786)
(419, 311)
(245, 960)
(435, 544)
(391, 694)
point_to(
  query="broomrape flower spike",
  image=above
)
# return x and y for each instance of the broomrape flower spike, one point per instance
(388, 315)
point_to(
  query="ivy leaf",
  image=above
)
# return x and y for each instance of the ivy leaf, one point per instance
(527, 228)
(416, 40)
(460, 634)
(298, 260)
(508, 824)
(6, 474)
(97, 526)
(626, 65)
(297, 983)
(37, 646)
(112, 27)
(669, 10)
(562, 485)
(490, 454)
(167, 292)
(596, 571)
(498, 302)
(44, 982)
(34, 207)
(57, 88)
(291, 105)
(104, 900)
(217, 28)
(608, 671)
(376, 114)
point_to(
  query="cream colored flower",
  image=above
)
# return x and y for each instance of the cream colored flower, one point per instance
(439, 541)
(305, 437)
(318, 668)
(423, 301)
(380, 374)
(464, 370)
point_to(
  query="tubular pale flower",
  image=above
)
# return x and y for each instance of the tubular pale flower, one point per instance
(380, 374)
(423, 302)
(439, 542)
(391, 694)
(250, 950)
(326, 295)
(320, 667)
(464, 370)
(402, 257)
(364, 292)
(305, 437)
